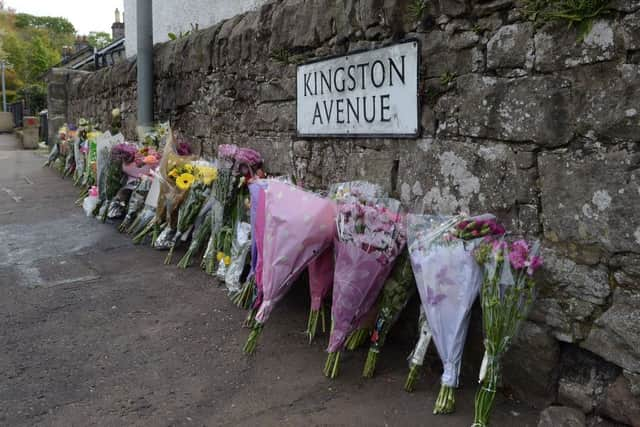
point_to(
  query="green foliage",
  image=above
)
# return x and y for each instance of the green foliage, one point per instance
(416, 9)
(447, 77)
(53, 24)
(35, 97)
(575, 13)
(98, 39)
(182, 34)
(281, 56)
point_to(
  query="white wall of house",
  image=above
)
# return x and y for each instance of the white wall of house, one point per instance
(175, 16)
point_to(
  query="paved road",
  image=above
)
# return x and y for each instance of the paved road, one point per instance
(96, 331)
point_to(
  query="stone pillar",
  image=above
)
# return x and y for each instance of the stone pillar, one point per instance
(57, 98)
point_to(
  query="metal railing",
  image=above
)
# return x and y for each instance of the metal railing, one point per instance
(18, 111)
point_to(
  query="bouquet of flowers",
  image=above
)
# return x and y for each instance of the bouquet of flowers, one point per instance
(56, 152)
(506, 296)
(396, 293)
(320, 283)
(175, 178)
(321, 270)
(138, 173)
(148, 213)
(80, 148)
(198, 190)
(237, 166)
(201, 233)
(298, 228)
(136, 202)
(448, 280)
(104, 172)
(240, 247)
(416, 358)
(370, 237)
(249, 292)
(176, 184)
(119, 184)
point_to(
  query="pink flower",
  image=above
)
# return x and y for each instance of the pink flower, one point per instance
(518, 254)
(534, 263)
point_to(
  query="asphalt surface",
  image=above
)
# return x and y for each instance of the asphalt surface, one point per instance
(95, 331)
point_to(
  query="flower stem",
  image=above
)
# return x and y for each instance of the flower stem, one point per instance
(412, 378)
(370, 363)
(331, 367)
(312, 324)
(446, 401)
(486, 396)
(252, 341)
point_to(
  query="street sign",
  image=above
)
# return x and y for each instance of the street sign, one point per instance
(370, 93)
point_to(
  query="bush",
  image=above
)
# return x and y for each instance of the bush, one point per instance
(35, 97)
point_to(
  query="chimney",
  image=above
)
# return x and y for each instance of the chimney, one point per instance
(117, 29)
(80, 43)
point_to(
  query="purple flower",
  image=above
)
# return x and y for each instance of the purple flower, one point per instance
(124, 152)
(227, 151)
(183, 149)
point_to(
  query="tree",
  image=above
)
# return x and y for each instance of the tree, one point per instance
(98, 39)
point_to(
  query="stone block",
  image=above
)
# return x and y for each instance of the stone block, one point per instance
(530, 366)
(537, 109)
(557, 47)
(605, 96)
(620, 404)
(446, 175)
(613, 336)
(590, 197)
(570, 295)
(561, 416)
(511, 46)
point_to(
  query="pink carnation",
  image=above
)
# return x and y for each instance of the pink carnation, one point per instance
(518, 254)
(534, 264)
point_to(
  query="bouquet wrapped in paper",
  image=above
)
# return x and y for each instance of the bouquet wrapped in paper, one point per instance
(138, 173)
(175, 179)
(299, 226)
(201, 233)
(370, 237)
(198, 190)
(106, 175)
(506, 296)
(398, 289)
(416, 358)
(448, 280)
(321, 270)
(236, 167)
(148, 212)
(320, 284)
(248, 294)
(119, 181)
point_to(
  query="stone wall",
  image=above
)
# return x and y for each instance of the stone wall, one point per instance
(520, 120)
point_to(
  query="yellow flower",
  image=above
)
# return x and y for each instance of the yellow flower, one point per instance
(173, 173)
(219, 256)
(207, 174)
(184, 181)
(188, 167)
(227, 260)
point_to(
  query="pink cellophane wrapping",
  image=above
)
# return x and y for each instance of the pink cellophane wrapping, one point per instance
(259, 226)
(321, 277)
(358, 279)
(299, 226)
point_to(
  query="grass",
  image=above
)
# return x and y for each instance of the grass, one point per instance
(416, 9)
(575, 13)
(447, 77)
